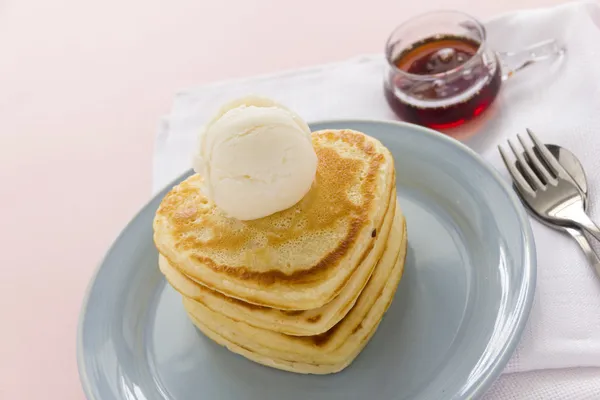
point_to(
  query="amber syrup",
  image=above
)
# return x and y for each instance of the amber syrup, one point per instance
(463, 91)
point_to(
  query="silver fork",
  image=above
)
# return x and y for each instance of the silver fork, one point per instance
(546, 187)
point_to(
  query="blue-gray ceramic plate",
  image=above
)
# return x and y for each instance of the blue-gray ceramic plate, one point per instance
(456, 318)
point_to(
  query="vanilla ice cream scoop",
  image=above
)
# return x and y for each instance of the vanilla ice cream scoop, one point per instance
(256, 158)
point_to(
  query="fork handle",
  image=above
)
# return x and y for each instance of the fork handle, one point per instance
(590, 254)
(582, 220)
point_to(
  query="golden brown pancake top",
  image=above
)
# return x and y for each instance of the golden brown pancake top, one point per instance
(302, 244)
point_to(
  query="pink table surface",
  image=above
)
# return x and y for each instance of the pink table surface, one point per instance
(82, 87)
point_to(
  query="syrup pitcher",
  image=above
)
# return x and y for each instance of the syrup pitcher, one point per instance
(441, 73)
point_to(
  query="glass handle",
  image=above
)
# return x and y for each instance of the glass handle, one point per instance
(514, 61)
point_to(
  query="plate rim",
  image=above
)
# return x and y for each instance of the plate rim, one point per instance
(528, 284)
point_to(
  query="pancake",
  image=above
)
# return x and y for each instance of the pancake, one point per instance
(298, 323)
(322, 354)
(335, 346)
(297, 259)
(290, 366)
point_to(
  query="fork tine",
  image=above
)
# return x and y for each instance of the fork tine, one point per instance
(536, 161)
(520, 182)
(548, 157)
(530, 176)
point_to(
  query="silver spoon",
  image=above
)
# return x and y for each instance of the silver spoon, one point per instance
(574, 168)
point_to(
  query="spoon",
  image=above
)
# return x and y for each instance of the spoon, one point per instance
(574, 168)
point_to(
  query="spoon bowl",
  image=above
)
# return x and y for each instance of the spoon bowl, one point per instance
(574, 168)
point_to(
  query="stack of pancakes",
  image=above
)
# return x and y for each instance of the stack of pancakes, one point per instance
(301, 290)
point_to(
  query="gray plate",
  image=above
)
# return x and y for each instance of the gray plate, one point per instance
(456, 318)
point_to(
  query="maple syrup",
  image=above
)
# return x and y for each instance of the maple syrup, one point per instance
(442, 82)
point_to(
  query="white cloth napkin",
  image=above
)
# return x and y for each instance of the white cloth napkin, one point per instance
(559, 354)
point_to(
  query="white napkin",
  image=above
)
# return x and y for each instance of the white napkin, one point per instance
(560, 102)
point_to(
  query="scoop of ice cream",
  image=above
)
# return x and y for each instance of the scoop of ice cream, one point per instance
(256, 158)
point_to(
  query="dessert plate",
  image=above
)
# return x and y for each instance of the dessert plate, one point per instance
(456, 319)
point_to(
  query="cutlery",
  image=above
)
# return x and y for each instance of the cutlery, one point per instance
(574, 168)
(547, 187)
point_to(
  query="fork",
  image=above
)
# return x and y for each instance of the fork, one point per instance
(546, 187)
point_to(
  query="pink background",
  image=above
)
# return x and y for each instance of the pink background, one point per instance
(82, 87)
